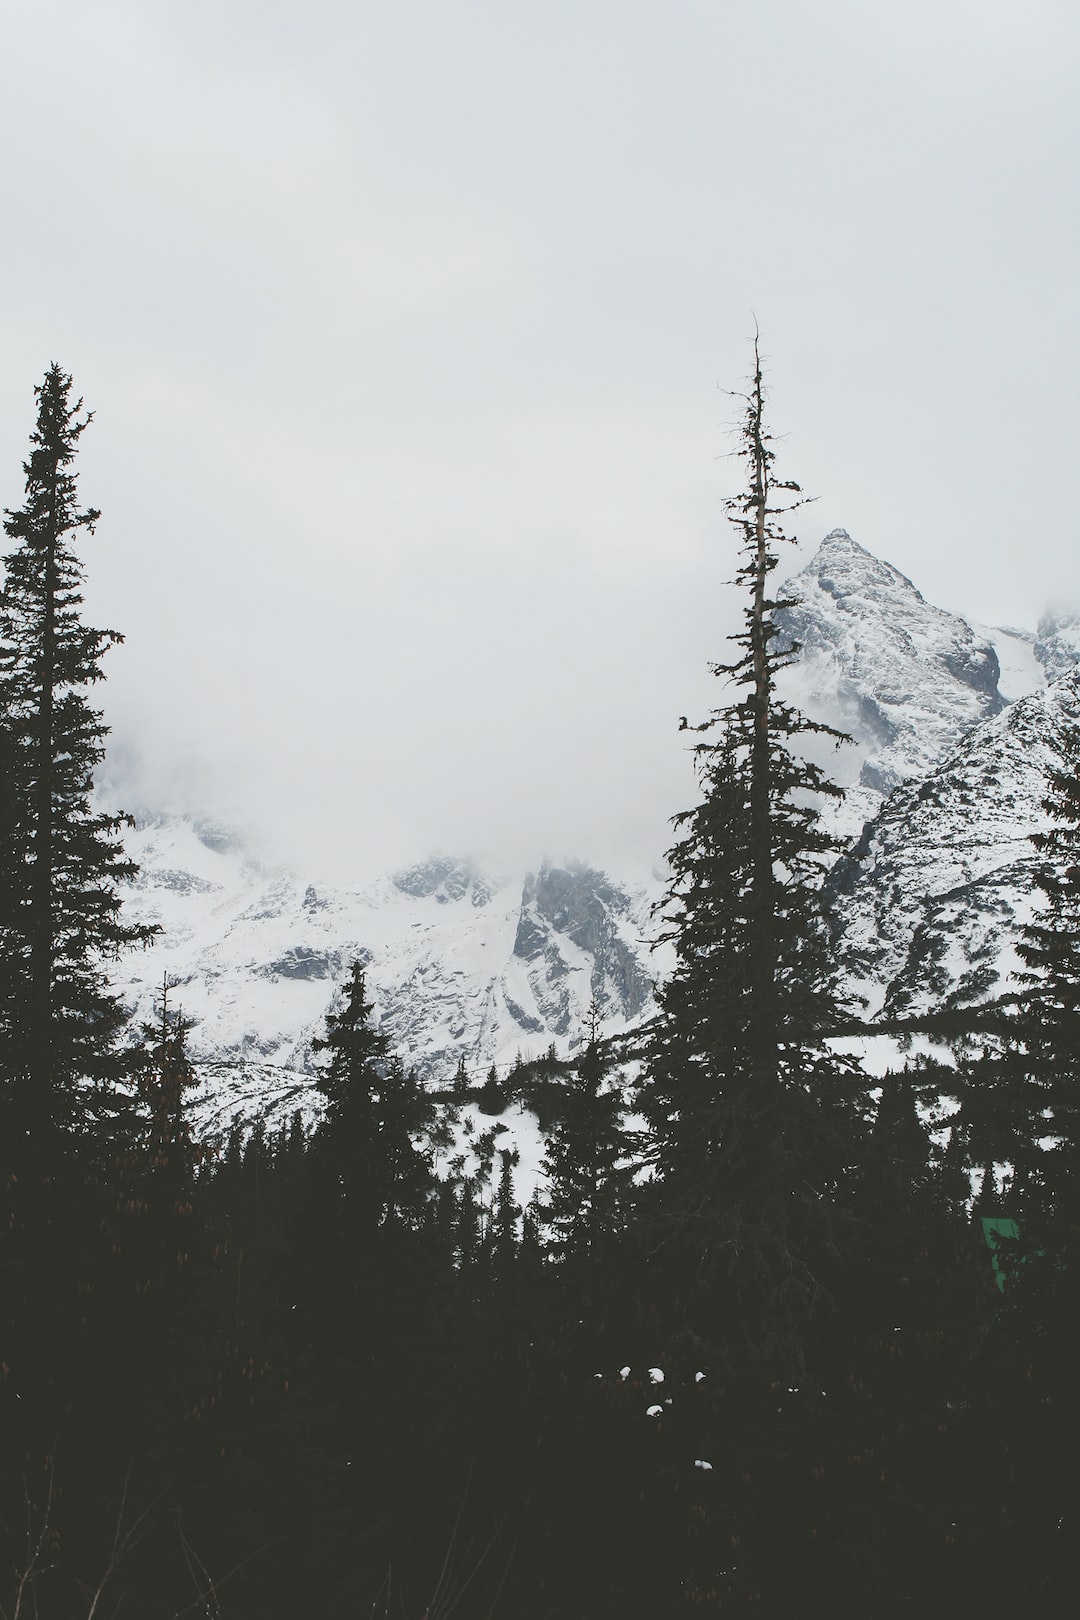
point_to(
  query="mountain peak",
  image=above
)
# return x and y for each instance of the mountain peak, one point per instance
(836, 542)
(904, 679)
(843, 568)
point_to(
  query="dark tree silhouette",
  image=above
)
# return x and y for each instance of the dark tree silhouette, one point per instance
(1050, 1021)
(588, 1163)
(755, 1118)
(378, 1119)
(63, 861)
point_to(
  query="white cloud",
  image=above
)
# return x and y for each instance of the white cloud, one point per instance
(404, 327)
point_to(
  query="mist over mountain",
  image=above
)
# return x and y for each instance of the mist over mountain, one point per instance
(1057, 642)
(954, 728)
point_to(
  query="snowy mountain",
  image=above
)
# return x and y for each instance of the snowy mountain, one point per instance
(954, 731)
(460, 965)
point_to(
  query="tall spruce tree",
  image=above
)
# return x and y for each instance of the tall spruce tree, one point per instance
(62, 861)
(755, 1117)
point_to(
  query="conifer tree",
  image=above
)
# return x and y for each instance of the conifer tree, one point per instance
(378, 1118)
(491, 1098)
(1050, 1022)
(587, 1161)
(504, 1216)
(167, 1075)
(159, 1164)
(62, 862)
(1020, 1092)
(755, 1118)
(468, 1236)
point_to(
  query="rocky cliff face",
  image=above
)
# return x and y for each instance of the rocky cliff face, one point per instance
(580, 939)
(904, 679)
(1057, 643)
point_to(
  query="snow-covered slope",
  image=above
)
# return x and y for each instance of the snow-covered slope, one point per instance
(929, 902)
(1018, 662)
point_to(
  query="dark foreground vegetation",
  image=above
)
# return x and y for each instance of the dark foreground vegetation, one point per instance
(748, 1355)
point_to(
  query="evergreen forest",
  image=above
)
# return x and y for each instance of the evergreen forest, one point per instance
(765, 1344)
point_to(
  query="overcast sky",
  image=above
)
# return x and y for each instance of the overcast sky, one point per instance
(406, 324)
